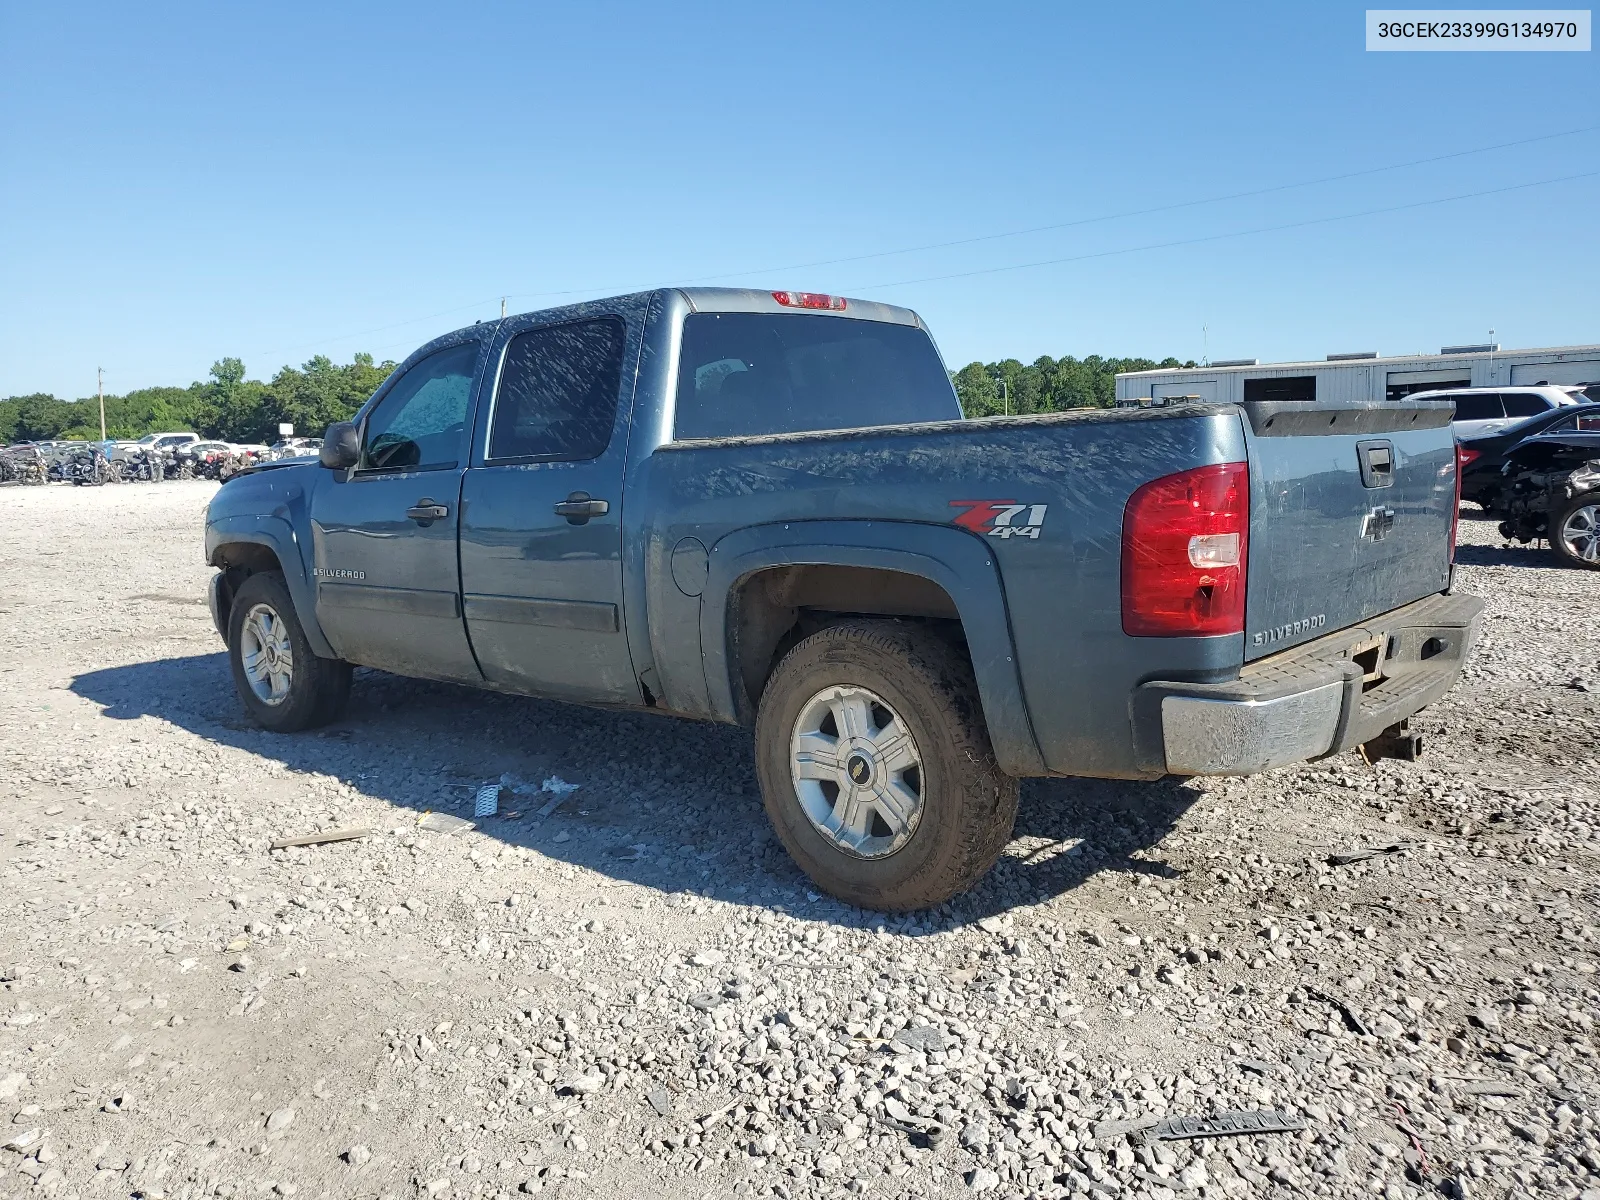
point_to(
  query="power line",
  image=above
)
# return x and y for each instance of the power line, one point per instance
(1115, 216)
(988, 237)
(1217, 237)
(1142, 212)
(269, 355)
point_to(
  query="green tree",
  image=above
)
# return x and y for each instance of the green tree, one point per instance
(975, 388)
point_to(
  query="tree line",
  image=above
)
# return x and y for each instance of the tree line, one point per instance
(317, 393)
(226, 405)
(1047, 384)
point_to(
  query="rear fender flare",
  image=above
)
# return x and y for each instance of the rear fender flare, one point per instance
(957, 561)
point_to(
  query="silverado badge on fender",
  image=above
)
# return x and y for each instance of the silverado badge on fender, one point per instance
(1001, 518)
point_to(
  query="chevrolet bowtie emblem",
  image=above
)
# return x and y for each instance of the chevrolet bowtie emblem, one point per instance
(1377, 523)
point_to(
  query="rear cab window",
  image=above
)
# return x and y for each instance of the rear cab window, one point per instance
(748, 374)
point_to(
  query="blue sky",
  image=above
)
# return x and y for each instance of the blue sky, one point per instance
(182, 182)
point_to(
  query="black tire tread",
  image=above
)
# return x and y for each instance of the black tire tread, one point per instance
(1559, 521)
(986, 812)
(320, 686)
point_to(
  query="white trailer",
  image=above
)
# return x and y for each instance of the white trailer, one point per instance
(1343, 378)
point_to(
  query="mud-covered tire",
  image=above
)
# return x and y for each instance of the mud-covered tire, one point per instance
(967, 804)
(1575, 531)
(317, 688)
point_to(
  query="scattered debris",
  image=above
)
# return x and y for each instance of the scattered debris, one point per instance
(1224, 1124)
(1105, 1131)
(317, 839)
(22, 1139)
(923, 1037)
(659, 1099)
(438, 822)
(558, 789)
(923, 1131)
(1352, 1022)
(1345, 857)
(584, 1085)
(487, 802)
(1416, 1157)
(1488, 1087)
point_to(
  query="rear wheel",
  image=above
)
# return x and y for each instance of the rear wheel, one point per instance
(876, 767)
(282, 683)
(1575, 531)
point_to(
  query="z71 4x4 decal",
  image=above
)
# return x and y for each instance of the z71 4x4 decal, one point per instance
(1001, 518)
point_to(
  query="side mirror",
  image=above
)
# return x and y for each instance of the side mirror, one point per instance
(341, 446)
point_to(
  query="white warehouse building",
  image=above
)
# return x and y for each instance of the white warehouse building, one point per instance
(1346, 378)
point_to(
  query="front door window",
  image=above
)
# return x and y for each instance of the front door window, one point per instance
(421, 424)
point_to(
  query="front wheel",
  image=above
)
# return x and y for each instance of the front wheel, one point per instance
(876, 768)
(1575, 531)
(282, 683)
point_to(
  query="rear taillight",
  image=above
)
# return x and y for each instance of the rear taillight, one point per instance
(810, 300)
(1463, 457)
(1185, 541)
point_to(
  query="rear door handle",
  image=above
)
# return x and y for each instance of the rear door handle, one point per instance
(580, 506)
(425, 512)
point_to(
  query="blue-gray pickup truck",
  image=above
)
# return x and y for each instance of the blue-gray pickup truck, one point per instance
(766, 508)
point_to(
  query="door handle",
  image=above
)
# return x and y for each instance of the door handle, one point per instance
(425, 512)
(579, 507)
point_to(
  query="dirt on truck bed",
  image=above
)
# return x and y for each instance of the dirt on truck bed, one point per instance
(627, 989)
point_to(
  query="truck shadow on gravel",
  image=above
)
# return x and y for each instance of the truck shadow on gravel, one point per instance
(1531, 555)
(667, 804)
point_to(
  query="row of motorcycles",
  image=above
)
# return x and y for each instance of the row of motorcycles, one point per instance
(87, 464)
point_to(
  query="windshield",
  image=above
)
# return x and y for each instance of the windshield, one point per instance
(147, 440)
(747, 374)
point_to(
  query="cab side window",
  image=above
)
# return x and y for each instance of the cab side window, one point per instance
(421, 424)
(557, 398)
(1477, 406)
(1524, 404)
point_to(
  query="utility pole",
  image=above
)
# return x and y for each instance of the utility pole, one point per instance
(502, 308)
(1005, 394)
(100, 386)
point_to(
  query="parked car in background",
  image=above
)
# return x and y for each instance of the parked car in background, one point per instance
(167, 441)
(294, 447)
(1488, 410)
(1551, 490)
(1483, 458)
(199, 450)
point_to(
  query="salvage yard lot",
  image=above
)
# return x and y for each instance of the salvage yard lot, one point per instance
(639, 994)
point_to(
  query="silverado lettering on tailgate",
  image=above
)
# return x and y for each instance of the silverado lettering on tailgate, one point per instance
(1292, 629)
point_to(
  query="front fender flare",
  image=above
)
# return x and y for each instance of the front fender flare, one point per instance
(277, 534)
(957, 561)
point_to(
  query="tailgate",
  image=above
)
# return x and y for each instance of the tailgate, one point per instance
(1351, 509)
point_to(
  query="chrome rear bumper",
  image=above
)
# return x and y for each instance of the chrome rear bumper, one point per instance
(1316, 700)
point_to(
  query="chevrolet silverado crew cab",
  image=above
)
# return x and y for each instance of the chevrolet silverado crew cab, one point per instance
(765, 508)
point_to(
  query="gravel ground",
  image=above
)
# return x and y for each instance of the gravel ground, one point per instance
(638, 994)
